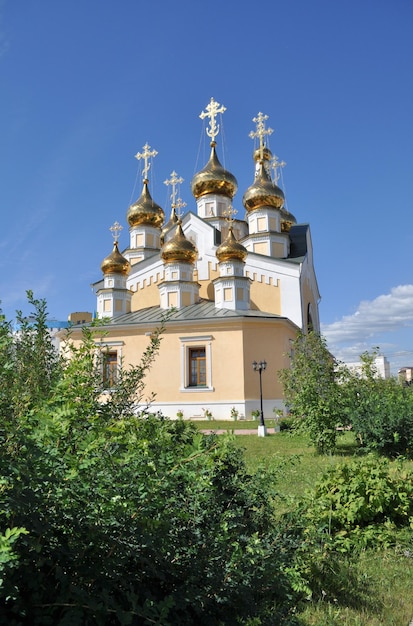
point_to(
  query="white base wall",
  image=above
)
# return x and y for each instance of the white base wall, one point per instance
(219, 410)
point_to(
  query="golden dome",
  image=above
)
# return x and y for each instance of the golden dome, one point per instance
(263, 192)
(231, 249)
(115, 263)
(179, 248)
(173, 220)
(266, 154)
(145, 210)
(287, 220)
(213, 178)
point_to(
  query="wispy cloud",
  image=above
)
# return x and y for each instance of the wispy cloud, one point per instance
(386, 313)
(373, 324)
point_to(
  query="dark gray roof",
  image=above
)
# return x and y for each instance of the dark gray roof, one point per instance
(202, 310)
(298, 238)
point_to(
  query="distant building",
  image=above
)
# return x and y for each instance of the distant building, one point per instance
(79, 317)
(405, 375)
(380, 363)
(235, 290)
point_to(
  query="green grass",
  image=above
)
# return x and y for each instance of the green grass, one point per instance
(381, 595)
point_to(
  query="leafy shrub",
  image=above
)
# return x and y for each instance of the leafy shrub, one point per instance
(352, 499)
(312, 391)
(287, 423)
(355, 505)
(125, 518)
(383, 416)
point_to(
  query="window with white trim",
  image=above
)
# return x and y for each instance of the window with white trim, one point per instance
(109, 368)
(197, 367)
(196, 363)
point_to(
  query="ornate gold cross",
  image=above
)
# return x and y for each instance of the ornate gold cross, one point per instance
(212, 111)
(146, 155)
(116, 230)
(174, 181)
(276, 165)
(261, 131)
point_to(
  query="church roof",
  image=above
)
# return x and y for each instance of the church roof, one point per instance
(201, 311)
(298, 238)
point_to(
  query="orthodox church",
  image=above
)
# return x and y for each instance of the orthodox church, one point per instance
(235, 291)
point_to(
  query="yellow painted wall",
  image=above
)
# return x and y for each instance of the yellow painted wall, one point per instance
(146, 296)
(235, 345)
(265, 297)
(206, 289)
(270, 343)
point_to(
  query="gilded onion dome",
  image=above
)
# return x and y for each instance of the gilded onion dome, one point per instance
(115, 263)
(179, 248)
(145, 210)
(287, 220)
(213, 178)
(266, 154)
(263, 192)
(231, 249)
(173, 220)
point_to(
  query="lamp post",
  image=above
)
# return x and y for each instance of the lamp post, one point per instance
(260, 367)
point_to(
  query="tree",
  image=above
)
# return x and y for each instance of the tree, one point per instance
(117, 516)
(381, 410)
(313, 391)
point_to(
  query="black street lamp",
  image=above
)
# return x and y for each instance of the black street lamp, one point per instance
(260, 367)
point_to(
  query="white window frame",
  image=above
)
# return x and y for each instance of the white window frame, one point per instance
(187, 343)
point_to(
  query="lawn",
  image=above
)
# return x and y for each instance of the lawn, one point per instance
(383, 577)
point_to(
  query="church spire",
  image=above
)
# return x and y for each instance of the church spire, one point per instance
(261, 132)
(174, 181)
(146, 155)
(114, 298)
(144, 216)
(211, 111)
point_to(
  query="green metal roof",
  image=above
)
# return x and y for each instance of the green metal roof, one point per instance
(202, 310)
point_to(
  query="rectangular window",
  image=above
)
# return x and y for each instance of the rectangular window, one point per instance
(197, 367)
(196, 364)
(110, 368)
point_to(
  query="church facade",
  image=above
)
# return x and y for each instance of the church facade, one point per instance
(235, 291)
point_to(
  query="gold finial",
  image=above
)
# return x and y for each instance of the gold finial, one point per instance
(179, 205)
(229, 214)
(212, 111)
(116, 230)
(276, 166)
(146, 155)
(261, 131)
(174, 181)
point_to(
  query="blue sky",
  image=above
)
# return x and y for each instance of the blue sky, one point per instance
(85, 84)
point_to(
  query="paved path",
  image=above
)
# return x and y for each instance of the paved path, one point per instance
(243, 431)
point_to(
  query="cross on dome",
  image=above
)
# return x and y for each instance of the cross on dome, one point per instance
(229, 214)
(276, 165)
(261, 131)
(179, 205)
(116, 230)
(174, 181)
(212, 111)
(146, 155)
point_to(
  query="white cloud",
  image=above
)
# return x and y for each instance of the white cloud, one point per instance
(383, 322)
(386, 313)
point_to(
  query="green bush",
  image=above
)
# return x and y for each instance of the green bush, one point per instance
(355, 505)
(287, 423)
(359, 502)
(383, 416)
(125, 518)
(312, 391)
